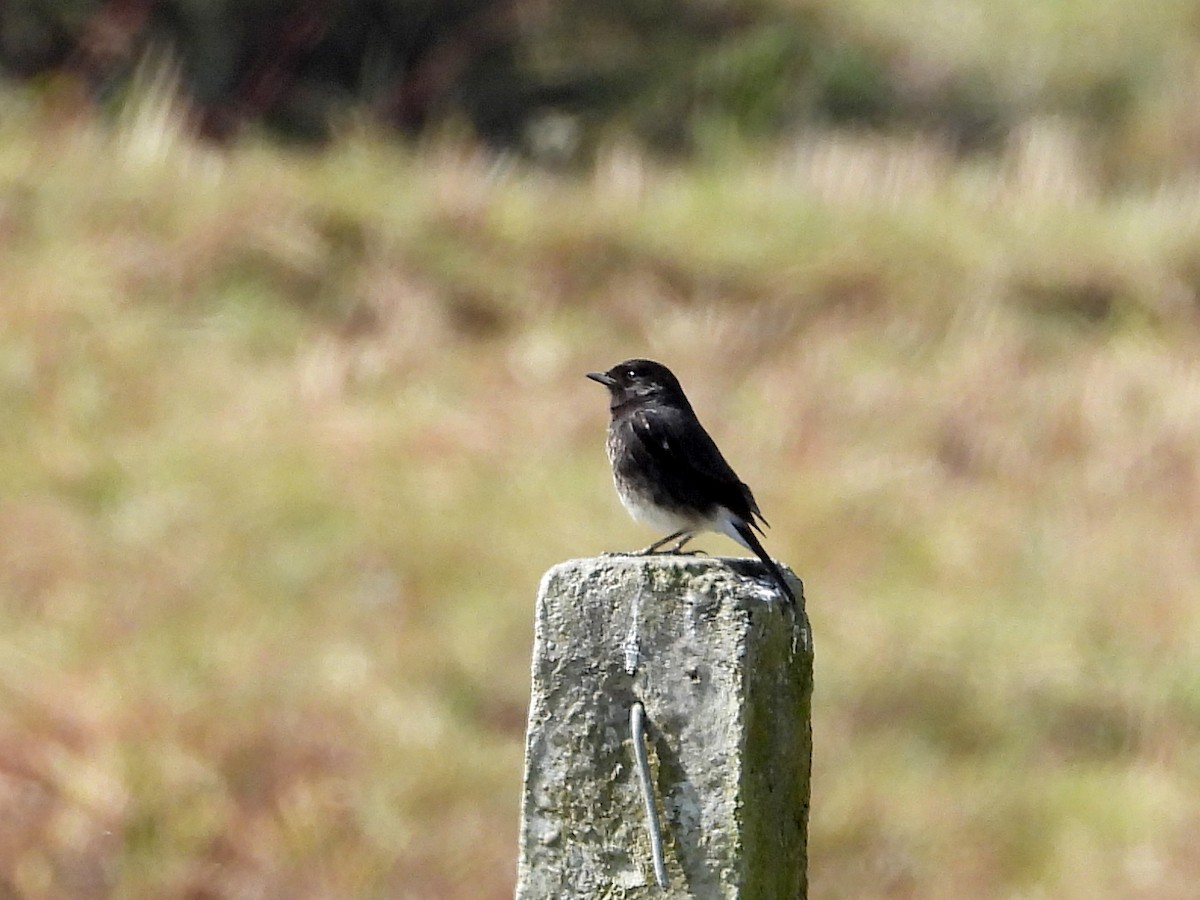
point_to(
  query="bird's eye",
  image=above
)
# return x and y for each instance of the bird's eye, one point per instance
(631, 373)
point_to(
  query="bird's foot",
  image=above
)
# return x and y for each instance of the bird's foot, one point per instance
(677, 547)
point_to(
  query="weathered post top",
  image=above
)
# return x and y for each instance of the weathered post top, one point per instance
(724, 671)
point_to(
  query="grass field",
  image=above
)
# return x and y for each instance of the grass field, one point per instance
(286, 441)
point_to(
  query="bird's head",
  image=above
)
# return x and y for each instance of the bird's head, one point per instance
(639, 380)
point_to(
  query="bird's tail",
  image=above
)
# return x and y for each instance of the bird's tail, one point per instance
(751, 541)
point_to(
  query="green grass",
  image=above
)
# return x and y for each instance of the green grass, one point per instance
(287, 440)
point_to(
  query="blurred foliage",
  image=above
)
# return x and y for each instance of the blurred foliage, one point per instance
(553, 78)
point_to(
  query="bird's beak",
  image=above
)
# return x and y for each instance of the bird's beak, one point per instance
(603, 377)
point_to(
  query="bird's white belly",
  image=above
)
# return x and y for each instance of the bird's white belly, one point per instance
(661, 520)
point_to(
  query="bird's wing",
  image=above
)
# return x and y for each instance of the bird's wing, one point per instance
(698, 462)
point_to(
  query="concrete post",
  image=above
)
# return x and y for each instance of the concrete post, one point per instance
(725, 676)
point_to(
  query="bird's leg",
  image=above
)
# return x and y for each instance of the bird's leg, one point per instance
(653, 548)
(678, 548)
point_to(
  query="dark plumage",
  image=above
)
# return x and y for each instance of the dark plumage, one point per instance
(668, 472)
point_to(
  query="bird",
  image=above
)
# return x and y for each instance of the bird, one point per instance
(668, 471)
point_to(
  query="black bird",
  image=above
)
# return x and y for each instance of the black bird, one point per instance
(668, 472)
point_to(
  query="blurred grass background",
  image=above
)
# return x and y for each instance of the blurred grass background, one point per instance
(288, 434)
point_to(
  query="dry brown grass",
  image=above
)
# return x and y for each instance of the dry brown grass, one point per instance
(288, 440)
